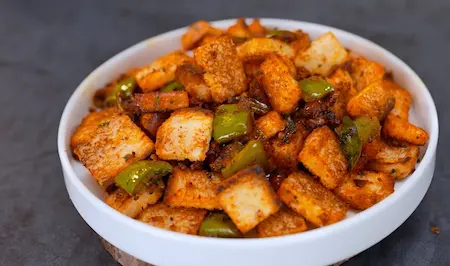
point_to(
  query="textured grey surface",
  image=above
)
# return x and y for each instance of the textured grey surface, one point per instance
(47, 47)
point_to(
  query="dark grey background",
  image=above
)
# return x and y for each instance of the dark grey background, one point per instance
(47, 48)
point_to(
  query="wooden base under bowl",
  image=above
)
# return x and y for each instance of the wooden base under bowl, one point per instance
(127, 260)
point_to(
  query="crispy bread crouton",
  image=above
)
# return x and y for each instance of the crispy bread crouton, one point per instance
(191, 77)
(364, 189)
(224, 71)
(375, 100)
(322, 155)
(402, 130)
(256, 28)
(183, 220)
(324, 53)
(161, 101)
(239, 30)
(104, 139)
(365, 72)
(400, 169)
(302, 43)
(343, 82)
(393, 154)
(282, 151)
(160, 72)
(310, 199)
(197, 33)
(132, 206)
(185, 135)
(192, 188)
(248, 198)
(259, 48)
(284, 222)
(280, 86)
(402, 100)
(270, 124)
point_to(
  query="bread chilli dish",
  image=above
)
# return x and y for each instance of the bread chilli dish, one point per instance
(249, 131)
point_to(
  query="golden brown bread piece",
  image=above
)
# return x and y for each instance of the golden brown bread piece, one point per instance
(256, 28)
(375, 100)
(132, 206)
(190, 76)
(239, 30)
(248, 198)
(259, 48)
(197, 32)
(323, 157)
(343, 82)
(282, 151)
(161, 101)
(309, 198)
(270, 124)
(183, 220)
(402, 100)
(105, 139)
(281, 88)
(160, 72)
(185, 135)
(224, 70)
(284, 222)
(400, 129)
(365, 72)
(192, 188)
(397, 169)
(364, 189)
(322, 55)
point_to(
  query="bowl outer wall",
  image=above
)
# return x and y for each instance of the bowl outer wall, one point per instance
(316, 247)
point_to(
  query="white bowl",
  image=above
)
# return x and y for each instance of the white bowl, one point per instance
(316, 247)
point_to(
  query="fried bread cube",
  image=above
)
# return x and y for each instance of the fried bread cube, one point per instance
(160, 72)
(196, 34)
(365, 72)
(191, 77)
(256, 28)
(192, 188)
(270, 124)
(402, 100)
(309, 198)
(323, 157)
(284, 222)
(104, 142)
(132, 206)
(224, 70)
(343, 82)
(161, 101)
(282, 151)
(281, 88)
(248, 198)
(400, 169)
(183, 220)
(400, 129)
(364, 189)
(185, 135)
(259, 48)
(375, 100)
(239, 30)
(394, 154)
(324, 53)
(302, 43)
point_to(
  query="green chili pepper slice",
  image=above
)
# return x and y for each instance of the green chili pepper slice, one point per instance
(314, 88)
(282, 35)
(219, 225)
(231, 122)
(253, 153)
(142, 173)
(172, 86)
(350, 142)
(123, 90)
(368, 127)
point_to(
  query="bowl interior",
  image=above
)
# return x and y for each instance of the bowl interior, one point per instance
(422, 113)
